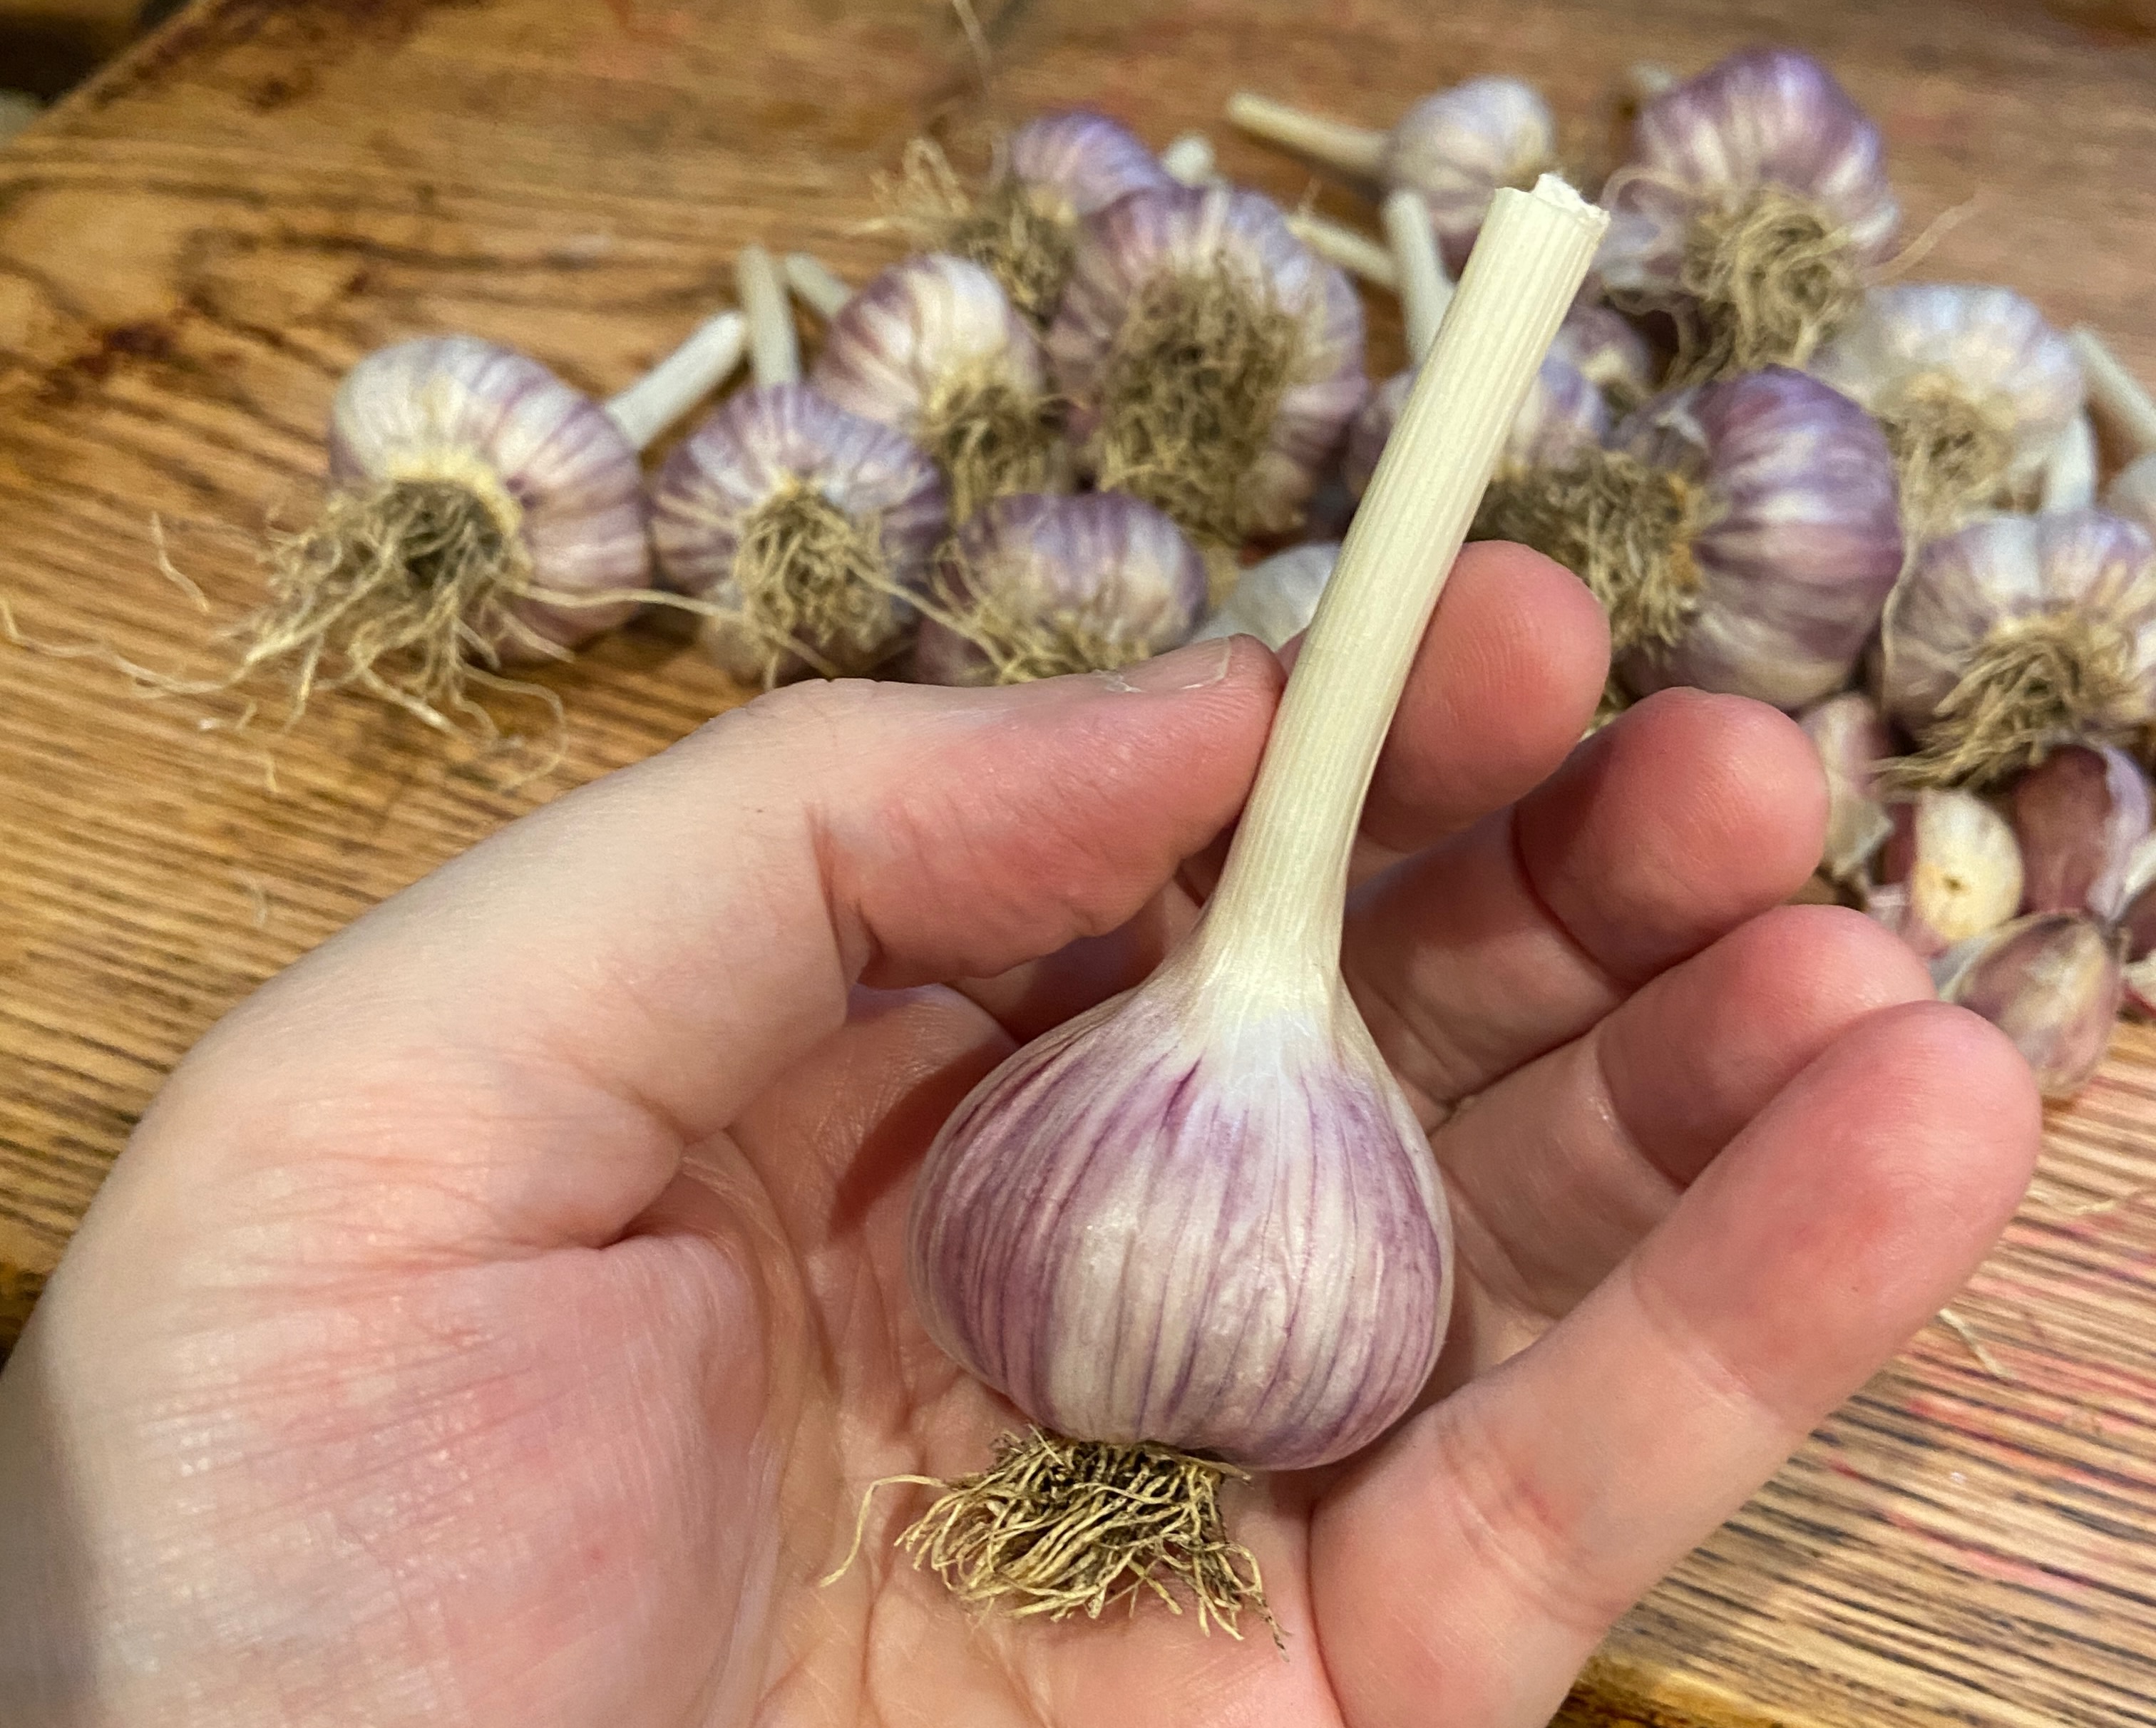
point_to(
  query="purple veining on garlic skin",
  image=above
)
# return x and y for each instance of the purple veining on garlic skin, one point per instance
(1085, 159)
(1285, 1315)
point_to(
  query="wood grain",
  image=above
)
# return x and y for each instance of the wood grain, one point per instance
(194, 247)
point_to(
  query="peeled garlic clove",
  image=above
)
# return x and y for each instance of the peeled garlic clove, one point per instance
(1038, 586)
(1974, 389)
(1753, 204)
(1852, 738)
(1950, 869)
(1274, 601)
(1213, 359)
(2051, 983)
(933, 348)
(1564, 415)
(2016, 634)
(2079, 814)
(1458, 147)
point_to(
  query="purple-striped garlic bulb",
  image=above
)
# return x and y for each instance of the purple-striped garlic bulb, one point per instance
(1949, 870)
(1036, 587)
(1852, 738)
(1974, 389)
(1048, 176)
(1212, 360)
(1752, 208)
(2081, 815)
(1742, 536)
(2016, 635)
(2052, 982)
(1275, 599)
(802, 525)
(933, 348)
(479, 510)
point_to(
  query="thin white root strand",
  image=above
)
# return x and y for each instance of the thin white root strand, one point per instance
(1350, 149)
(1357, 254)
(655, 400)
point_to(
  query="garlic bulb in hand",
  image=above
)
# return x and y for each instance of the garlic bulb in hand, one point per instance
(1950, 869)
(1233, 1100)
(1973, 388)
(1754, 207)
(2017, 634)
(1852, 738)
(1275, 600)
(803, 523)
(1742, 536)
(1213, 360)
(2052, 983)
(934, 347)
(1039, 587)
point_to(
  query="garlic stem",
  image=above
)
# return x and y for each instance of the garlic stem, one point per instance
(1352, 149)
(1273, 928)
(1356, 253)
(774, 351)
(1425, 290)
(2070, 475)
(682, 379)
(816, 284)
(1190, 159)
(2114, 393)
(1644, 81)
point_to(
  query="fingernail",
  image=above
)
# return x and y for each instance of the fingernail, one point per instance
(1191, 668)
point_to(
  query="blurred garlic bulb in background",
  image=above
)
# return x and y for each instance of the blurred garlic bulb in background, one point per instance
(1974, 389)
(1852, 739)
(1950, 869)
(1274, 601)
(1751, 209)
(1601, 344)
(2051, 983)
(2017, 634)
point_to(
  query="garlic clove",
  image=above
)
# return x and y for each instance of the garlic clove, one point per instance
(1852, 738)
(1950, 869)
(1457, 147)
(2052, 982)
(2079, 814)
(1275, 601)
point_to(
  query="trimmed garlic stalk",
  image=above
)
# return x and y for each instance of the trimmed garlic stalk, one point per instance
(1742, 536)
(1190, 160)
(2118, 396)
(479, 510)
(1354, 252)
(1213, 362)
(1753, 207)
(1275, 600)
(2018, 634)
(1973, 388)
(1852, 739)
(804, 523)
(1038, 586)
(2070, 477)
(815, 284)
(934, 349)
(1234, 1100)
(2052, 983)
(1950, 869)
(2080, 815)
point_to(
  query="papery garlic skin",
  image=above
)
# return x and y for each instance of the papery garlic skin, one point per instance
(558, 477)
(1153, 244)
(2080, 815)
(1217, 1231)
(1799, 536)
(1950, 869)
(1852, 738)
(781, 444)
(1054, 585)
(1077, 160)
(1564, 414)
(1458, 147)
(2052, 983)
(1274, 600)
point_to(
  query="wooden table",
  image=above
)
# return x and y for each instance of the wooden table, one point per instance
(195, 248)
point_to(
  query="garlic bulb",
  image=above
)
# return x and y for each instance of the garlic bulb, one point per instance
(1038, 587)
(1974, 389)
(1275, 601)
(1213, 360)
(804, 523)
(2080, 815)
(1742, 536)
(933, 348)
(1852, 738)
(1754, 207)
(2016, 634)
(1950, 869)
(2052, 983)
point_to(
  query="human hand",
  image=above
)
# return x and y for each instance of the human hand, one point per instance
(498, 1316)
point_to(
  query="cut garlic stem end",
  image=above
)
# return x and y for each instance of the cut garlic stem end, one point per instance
(1425, 290)
(816, 284)
(1190, 159)
(774, 352)
(2070, 474)
(1350, 149)
(1644, 81)
(683, 378)
(2118, 396)
(1357, 254)
(1272, 932)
